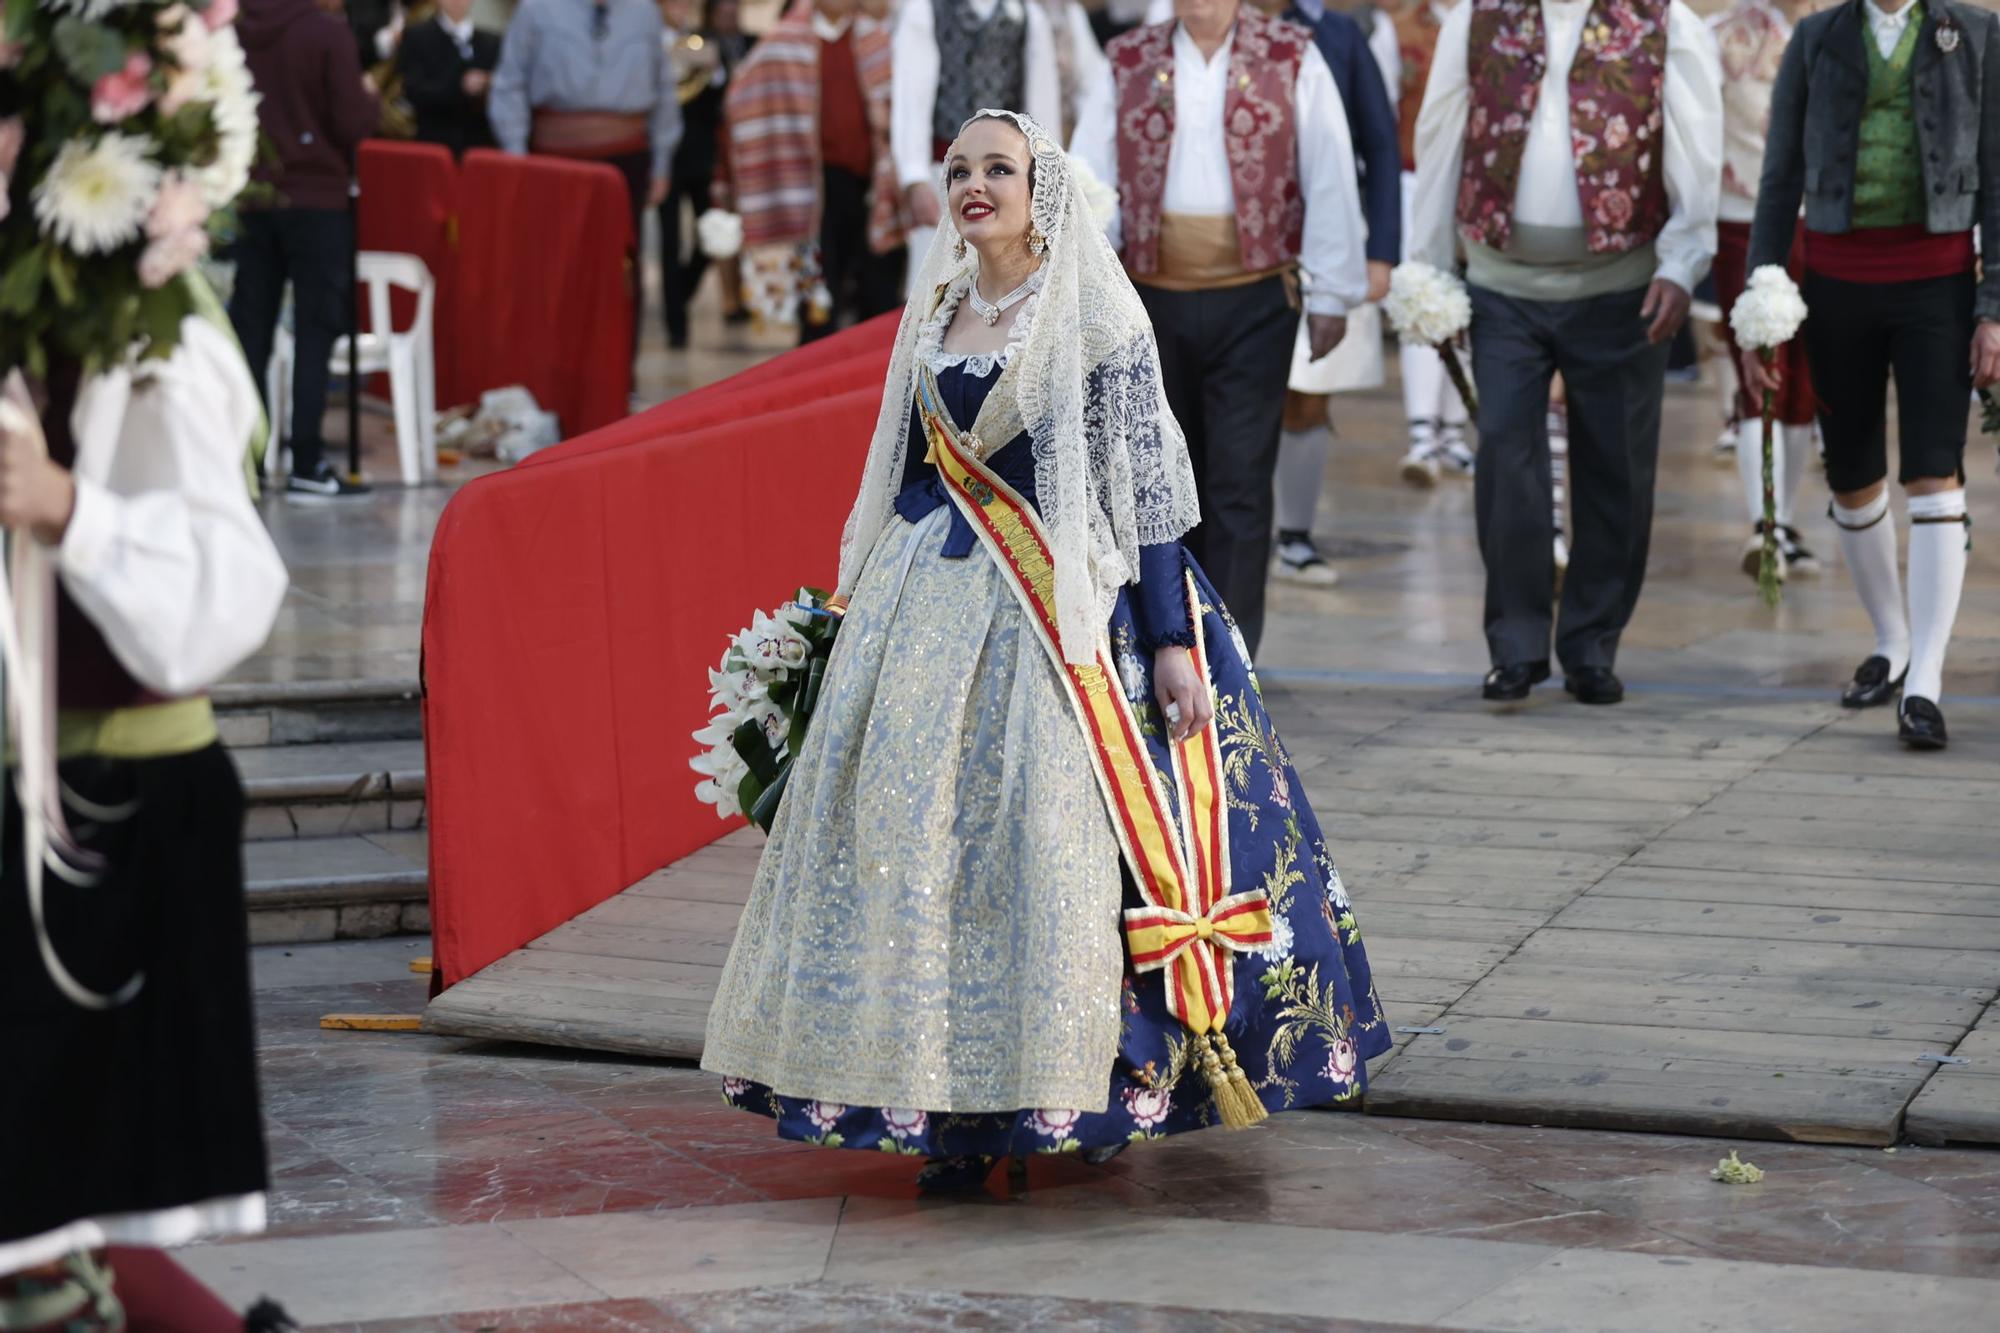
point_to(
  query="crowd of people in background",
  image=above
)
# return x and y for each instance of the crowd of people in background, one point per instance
(1588, 171)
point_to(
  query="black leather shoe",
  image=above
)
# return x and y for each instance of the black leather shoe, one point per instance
(1594, 685)
(1504, 684)
(1871, 684)
(1920, 725)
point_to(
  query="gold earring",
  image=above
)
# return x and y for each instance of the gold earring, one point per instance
(1037, 243)
(958, 248)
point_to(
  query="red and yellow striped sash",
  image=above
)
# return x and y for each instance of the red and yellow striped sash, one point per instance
(1191, 923)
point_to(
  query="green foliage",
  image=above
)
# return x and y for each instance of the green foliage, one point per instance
(88, 50)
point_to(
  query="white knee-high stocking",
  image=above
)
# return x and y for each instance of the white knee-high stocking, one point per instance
(1868, 542)
(1301, 469)
(1937, 577)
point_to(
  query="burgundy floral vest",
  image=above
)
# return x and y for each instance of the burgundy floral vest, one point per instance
(1259, 129)
(1616, 116)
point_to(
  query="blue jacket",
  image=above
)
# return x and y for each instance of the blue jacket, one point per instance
(1371, 120)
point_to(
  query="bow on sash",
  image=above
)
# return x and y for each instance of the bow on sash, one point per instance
(1191, 924)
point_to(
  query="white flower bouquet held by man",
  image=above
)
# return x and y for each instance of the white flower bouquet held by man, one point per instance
(127, 129)
(761, 697)
(1765, 318)
(1431, 308)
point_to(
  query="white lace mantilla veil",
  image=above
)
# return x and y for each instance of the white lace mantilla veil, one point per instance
(1112, 471)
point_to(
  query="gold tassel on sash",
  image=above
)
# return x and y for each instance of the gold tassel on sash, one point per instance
(1235, 1100)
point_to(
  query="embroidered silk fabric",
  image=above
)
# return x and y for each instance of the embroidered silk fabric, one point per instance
(935, 920)
(1111, 465)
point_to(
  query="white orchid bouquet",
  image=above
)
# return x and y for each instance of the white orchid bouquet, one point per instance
(1766, 317)
(761, 698)
(127, 130)
(1431, 308)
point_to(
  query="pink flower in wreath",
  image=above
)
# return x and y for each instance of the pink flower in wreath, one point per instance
(219, 14)
(1614, 209)
(902, 1122)
(1617, 133)
(1053, 1123)
(824, 1115)
(1340, 1061)
(1148, 1106)
(123, 92)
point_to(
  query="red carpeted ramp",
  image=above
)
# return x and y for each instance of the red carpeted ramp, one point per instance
(573, 607)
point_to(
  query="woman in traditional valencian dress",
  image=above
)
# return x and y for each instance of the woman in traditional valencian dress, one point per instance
(1036, 885)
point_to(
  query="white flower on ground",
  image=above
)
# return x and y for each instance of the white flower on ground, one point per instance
(1426, 305)
(904, 1123)
(1148, 1106)
(96, 195)
(825, 1115)
(1341, 1058)
(1054, 1123)
(1280, 947)
(720, 233)
(1769, 312)
(1099, 197)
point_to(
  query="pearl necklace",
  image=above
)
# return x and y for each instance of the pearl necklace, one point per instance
(990, 311)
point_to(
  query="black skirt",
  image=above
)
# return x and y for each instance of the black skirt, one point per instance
(152, 1105)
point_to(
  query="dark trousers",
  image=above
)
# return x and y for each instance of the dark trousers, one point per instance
(680, 276)
(1859, 333)
(637, 169)
(311, 248)
(1225, 356)
(863, 284)
(1614, 380)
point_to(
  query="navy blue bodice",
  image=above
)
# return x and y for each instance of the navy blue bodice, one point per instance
(1159, 602)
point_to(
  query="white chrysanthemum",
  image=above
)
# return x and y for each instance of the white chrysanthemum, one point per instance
(720, 233)
(232, 96)
(1769, 312)
(1426, 305)
(1100, 198)
(88, 10)
(1280, 947)
(97, 195)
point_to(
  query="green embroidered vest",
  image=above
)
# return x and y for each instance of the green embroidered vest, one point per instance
(1888, 168)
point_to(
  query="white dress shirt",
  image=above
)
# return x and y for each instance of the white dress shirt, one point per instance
(1546, 194)
(164, 551)
(913, 79)
(1887, 27)
(1198, 179)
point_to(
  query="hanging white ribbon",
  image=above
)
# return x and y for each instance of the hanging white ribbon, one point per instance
(28, 680)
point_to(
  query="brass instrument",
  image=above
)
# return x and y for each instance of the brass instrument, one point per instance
(697, 60)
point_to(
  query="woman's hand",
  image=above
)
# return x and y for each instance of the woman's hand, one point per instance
(36, 495)
(1182, 693)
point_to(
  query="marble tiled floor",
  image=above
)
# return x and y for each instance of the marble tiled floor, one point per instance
(431, 1184)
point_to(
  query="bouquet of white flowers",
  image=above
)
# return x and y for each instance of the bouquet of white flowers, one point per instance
(1431, 308)
(1766, 317)
(1101, 199)
(720, 233)
(761, 698)
(127, 129)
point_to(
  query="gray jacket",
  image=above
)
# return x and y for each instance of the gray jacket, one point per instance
(1816, 125)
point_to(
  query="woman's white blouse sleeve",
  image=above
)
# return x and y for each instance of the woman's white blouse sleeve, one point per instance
(164, 552)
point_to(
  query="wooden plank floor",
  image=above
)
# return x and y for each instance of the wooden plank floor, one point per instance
(1739, 914)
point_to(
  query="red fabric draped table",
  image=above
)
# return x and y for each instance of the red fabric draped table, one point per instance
(409, 206)
(572, 611)
(542, 249)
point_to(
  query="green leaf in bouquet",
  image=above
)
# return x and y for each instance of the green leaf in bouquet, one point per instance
(815, 678)
(22, 284)
(750, 742)
(20, 19)
(765, 810)
(749, 791)
(782, 692)
(89, 50)
(160, 313)
(62, 276)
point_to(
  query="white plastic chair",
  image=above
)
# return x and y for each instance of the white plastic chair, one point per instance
(406, 357)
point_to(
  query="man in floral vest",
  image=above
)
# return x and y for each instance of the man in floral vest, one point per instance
(1223, 134)
(1881, 126)
(1573, 148)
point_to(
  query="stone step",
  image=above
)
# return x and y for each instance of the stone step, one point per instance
(307, 712)
(354, 886)
(330, 788)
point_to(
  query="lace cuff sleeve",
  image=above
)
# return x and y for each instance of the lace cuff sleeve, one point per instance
(1159, 603)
